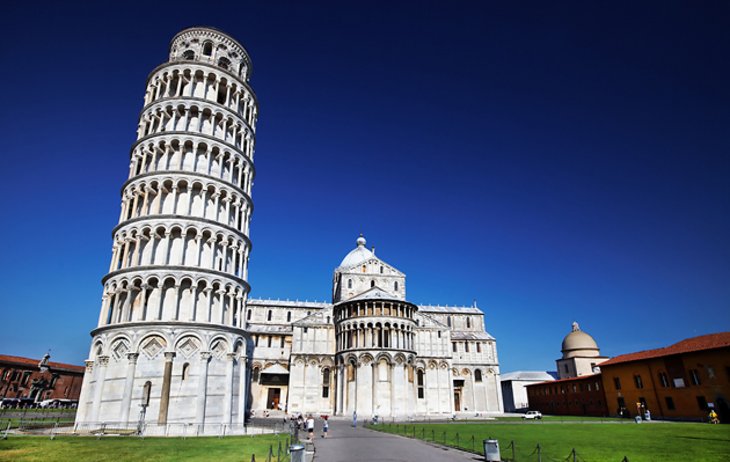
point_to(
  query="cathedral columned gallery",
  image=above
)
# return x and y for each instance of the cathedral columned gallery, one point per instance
(179, 341)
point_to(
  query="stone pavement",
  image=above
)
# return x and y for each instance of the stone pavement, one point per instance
(347, 444)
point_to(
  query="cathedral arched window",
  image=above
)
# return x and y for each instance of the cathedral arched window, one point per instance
(372, 283)
(468, 323)
(326, 382)
(255, 374)
(208, 49)
(248, 315)
(477, 375)
(466, 347)
(479, 347)
(268, 316)
(419, 382)
(288, 316)
(349, 283)
(448, 321)
(395, 286)
(224, 63)
(185, 371)
(188, 54)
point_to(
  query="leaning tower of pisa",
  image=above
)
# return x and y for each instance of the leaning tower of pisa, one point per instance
(170, 346)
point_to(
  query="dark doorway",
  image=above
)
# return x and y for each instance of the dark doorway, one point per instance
(272, 401)
(457, 401)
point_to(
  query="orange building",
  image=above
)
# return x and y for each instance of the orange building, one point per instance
(681, 381)
(572, 396)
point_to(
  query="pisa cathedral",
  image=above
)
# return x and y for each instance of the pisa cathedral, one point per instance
(179, 341)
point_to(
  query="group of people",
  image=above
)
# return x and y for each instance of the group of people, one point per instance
(308, 424)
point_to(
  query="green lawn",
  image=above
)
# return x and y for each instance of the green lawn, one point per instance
(660, 442)
(118, 449)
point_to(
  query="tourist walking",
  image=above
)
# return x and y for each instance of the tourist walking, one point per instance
(325, 426)
(310, 427)
(354, 419)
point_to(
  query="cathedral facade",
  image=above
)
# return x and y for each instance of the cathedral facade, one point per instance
(178, 341)
(371, 351)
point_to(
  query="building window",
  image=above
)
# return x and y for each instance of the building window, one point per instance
(256, 340)
(248, 315)
(479, 347)
(617, 383)
(448, 321)
(372, 283)
(453, 347)
(638, 382)
(702, 403)
(468, 323)
(395, 285)
(188, 54)
(419, 381)
(288, 316)
(224, 63)
(325, 382)
(694, 376)
(281, 345)
(255, 374)
(270, 337)
(590, 387)
(349, 283)
(663, 379)
(364, 268)
(268, 316)
(439, 334)
(598, 386)
(466, 347)
(478, 375)
(26, 376)
(670, 403)
(381, 270)
(565, 368)
(208, 49)
(185, 371)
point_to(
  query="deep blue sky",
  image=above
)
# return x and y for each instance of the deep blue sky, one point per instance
(555, 162)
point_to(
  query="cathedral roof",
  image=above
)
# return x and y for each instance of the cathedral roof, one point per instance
(374, 293)
(470, 335)
(358, 255)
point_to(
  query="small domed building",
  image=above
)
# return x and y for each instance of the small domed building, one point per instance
(581, 354)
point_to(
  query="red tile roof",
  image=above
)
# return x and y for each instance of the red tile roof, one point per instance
(569, 379)
(33, 363)
(703, 342)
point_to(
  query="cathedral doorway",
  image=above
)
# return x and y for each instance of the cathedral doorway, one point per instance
(274, 396)
(457, 401)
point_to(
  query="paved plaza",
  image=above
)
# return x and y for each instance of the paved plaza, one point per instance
(347, 444)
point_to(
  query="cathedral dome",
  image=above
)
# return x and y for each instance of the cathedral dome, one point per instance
(358, 255)
(578, 343)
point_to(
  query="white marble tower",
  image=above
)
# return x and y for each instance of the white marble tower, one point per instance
(170, 345)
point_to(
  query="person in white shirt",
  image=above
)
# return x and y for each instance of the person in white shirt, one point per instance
(310, 426)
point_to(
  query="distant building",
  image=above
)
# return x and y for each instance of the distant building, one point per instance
(514, 393)
(581, 355)
(39, 379)
(579, 390)
(681, 381)
(572, 396)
